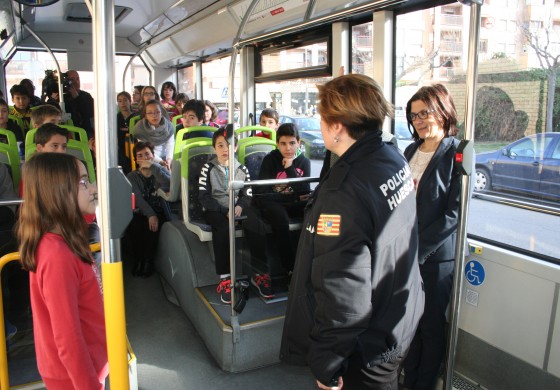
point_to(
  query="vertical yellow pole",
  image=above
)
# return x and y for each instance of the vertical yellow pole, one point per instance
(4, 380)
(115, 322)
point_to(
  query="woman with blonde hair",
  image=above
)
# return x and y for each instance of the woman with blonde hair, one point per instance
(356, 293)
(66, 296)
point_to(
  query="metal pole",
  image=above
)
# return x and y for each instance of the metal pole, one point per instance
(472, 73)
(105, 133)
(128, 66)
(231, 98)
(44, 44)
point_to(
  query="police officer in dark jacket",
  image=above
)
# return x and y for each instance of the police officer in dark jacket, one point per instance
(356, 294)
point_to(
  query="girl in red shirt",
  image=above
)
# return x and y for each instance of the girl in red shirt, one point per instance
(66, 296)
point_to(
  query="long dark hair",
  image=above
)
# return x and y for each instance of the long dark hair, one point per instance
(51, 204)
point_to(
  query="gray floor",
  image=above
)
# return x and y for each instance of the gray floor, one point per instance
(171, 355)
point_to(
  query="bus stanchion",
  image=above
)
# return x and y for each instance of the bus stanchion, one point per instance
(4, 379)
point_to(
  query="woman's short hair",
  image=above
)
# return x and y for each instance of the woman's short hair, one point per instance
(438, 100)
(170, 85)
(51, 202)
(356, 101)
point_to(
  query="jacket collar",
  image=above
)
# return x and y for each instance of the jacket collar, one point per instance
(368, 143)
(441, 151)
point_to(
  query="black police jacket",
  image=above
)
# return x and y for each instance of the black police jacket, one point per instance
(356, 286)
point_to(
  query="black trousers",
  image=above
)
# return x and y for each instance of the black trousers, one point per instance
(220, 240)
(278, 216)
(142, 242)
(381, 377)
(421, 366)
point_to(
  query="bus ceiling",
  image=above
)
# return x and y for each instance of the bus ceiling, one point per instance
(173, 33)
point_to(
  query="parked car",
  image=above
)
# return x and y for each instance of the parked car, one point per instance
(312, 143)
(222, 118)
(402, 133)
(529, 166)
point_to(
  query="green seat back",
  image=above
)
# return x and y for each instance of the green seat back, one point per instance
(75, 147)
(9, 155)
(176, 119)
(132, 123)
(180, 142)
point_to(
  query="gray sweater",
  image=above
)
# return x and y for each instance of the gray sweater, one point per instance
(145, 189)
(213, 187)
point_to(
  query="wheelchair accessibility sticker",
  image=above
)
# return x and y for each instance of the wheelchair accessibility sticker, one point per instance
(474, 273)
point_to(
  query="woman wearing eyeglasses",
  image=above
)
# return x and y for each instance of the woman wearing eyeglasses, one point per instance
(65, 287)
(149, 93)
(158, 130)
(431, 113)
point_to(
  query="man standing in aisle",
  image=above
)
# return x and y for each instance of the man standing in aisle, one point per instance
(78, 103)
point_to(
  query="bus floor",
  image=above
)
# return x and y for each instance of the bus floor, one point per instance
(171, 355)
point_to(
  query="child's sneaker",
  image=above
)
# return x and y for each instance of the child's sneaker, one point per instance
(224, 289)
(262, 283)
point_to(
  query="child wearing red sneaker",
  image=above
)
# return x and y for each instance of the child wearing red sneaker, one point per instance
(214, 197)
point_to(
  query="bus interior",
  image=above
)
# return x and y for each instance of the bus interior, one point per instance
(249, 55)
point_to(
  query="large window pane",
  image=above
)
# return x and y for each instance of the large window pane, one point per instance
(362, 48)
(514, 95)
(296, 102)
(301, 57)
(215, 76)
(31, 65)
(186, 82)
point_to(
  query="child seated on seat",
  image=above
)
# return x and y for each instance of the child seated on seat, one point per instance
(284, 201)
(269, 118)
(9, 124)
(214, 197)
(143, 230)
(45, 114)
(51, 138)
(193, 115)
(21, 108)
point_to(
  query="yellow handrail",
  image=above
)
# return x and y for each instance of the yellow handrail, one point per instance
(114, 273)
(4, 381)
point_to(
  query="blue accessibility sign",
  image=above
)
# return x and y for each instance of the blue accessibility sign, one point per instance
(474, 273)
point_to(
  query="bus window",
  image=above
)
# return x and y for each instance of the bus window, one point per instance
(431, 46)
(362, 48)
(186, 81)
(215, 84)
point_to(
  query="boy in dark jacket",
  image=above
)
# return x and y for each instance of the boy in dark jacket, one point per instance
(284, 201)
